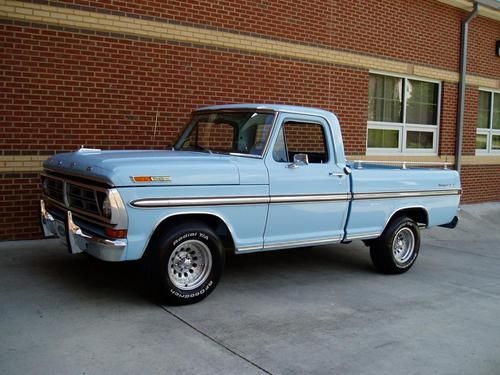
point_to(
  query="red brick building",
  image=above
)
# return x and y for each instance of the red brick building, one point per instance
(99, 73)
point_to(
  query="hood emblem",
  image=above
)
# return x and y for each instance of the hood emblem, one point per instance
(151, 178)
(73, 164)
(59, 162)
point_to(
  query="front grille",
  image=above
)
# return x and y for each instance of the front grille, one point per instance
(82, 198)
(54, 189)
(74, 196)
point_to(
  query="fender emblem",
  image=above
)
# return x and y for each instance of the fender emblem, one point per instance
(151, 178)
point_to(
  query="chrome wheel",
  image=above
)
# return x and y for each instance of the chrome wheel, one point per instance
(403, 245)
(189, 265)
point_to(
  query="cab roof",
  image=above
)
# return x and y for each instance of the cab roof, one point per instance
(268, 107)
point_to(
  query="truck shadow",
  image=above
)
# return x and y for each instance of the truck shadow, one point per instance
(88, 277)
(328, 259)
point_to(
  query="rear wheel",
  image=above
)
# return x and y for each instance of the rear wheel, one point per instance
(397, 249)
(185, 264)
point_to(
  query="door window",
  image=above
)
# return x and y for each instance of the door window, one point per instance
(300, 138)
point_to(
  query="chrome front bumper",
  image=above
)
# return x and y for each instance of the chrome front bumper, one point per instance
(78, 241)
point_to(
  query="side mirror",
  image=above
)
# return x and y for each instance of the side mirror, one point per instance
(299, 159)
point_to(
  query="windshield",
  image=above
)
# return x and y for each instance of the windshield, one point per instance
(239, 132)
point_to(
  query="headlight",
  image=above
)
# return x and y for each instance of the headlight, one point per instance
(106, 207)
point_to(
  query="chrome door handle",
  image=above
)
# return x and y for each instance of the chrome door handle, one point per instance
(339, 175)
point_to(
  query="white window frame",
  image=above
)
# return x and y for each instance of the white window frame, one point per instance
(404, 127)
(489, 132)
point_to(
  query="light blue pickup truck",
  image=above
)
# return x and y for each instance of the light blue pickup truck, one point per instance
(240, 178)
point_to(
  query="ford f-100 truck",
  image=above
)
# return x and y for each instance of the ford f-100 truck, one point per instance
(242, 178)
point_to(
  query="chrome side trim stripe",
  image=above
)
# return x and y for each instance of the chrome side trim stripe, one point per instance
(249, 249)
(406, 194)
(235, 200)
(290, 244)
(309, 198)
(364, 236)
(243, 200)
(175, 202)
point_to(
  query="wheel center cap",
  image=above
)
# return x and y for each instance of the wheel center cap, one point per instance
(182, 262)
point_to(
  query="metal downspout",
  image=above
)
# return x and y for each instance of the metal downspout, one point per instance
(462, 84)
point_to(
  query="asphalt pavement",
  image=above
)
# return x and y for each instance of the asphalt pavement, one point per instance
(322, 310)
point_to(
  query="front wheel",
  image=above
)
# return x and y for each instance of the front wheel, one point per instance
(185, 264)
(397, 249)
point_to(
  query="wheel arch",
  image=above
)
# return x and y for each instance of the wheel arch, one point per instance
(214, 221)
(417, 213)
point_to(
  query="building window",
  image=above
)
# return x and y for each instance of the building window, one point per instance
(488, 123)
(403, 115)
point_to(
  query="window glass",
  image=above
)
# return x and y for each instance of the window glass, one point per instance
(217, 136)
(483, 115)
(385, 96)
(401, 108)
(488, 122)
(382, 138)
(279, 152)
(301, 138)
(421, 102)
(239, 132)
(495, 142)
(496, 111)
(481, 141)
(416, 139)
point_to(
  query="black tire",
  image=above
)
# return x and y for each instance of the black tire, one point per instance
(177, 256)
(397, 248)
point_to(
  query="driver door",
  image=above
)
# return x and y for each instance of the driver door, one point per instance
(309, 199)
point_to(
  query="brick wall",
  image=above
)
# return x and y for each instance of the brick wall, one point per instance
(480, 183)
(19, 206)
(470, 120)
(424, 31)
(63, 86)
(483, 34)
(64, 89)
(448, 120)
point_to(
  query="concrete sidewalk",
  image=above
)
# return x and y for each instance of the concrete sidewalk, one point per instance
(317, 311)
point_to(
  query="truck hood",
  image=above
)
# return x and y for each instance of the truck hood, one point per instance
(171, 167)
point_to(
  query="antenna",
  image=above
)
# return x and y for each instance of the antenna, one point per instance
(329, 105)
(156, 125)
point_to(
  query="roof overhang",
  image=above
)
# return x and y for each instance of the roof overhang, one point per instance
(488, 8)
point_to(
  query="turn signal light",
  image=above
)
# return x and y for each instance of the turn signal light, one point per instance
(142, 178)
(116, 233)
